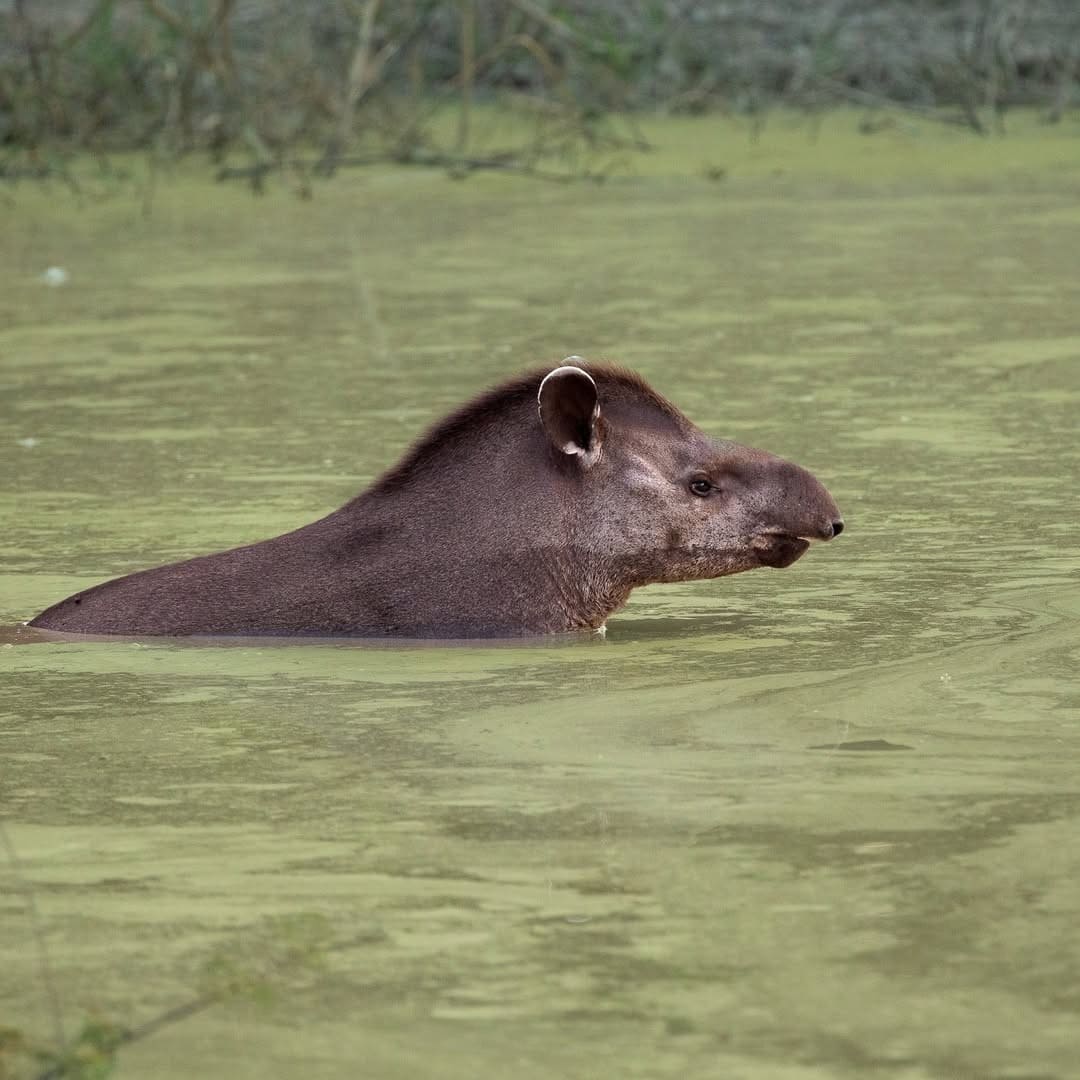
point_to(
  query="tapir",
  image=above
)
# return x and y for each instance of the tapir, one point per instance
(536, 508)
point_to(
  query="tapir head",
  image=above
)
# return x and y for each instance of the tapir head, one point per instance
(658, 500)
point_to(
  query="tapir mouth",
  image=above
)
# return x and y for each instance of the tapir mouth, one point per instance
(779, 549)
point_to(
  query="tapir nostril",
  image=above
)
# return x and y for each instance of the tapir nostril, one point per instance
(837, 528)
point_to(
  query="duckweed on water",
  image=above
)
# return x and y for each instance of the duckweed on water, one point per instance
(638, 851)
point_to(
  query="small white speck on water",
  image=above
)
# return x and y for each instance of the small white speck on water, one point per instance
(55, 276)
(28, 442)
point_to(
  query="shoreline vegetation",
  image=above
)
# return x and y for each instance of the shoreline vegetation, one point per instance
(790, 156)
(254, 90)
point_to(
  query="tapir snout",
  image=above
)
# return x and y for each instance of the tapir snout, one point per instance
(801, 503)
(797, 509)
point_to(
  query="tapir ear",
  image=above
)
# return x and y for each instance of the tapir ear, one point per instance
(570, 411)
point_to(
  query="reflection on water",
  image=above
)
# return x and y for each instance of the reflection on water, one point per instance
(803, 824)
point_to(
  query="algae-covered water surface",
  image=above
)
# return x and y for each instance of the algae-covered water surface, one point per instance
(796, 824)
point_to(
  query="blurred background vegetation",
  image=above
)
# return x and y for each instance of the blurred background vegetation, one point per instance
(307, 87)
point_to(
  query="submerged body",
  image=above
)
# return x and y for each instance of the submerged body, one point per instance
(534, 509)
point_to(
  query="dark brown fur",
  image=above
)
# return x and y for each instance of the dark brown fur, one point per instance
(492, 404)
(502, 520)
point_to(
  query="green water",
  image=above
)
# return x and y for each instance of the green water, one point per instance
(648, 856)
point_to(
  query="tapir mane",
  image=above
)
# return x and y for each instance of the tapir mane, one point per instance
(505, 402)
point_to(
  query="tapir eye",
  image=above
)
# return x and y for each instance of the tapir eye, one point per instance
(700, 486)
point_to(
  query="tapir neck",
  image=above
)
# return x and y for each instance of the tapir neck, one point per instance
(437, 550)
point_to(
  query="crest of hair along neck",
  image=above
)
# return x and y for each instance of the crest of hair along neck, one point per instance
(503, 400)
